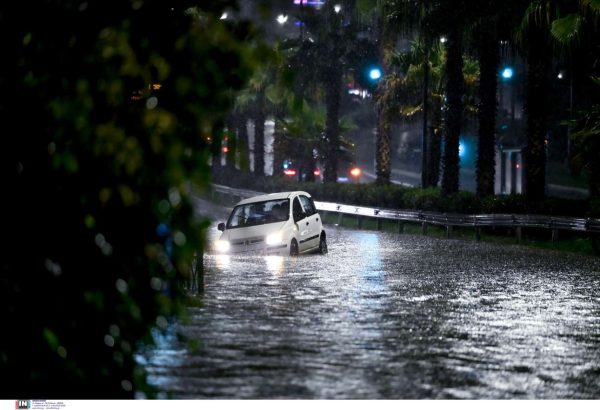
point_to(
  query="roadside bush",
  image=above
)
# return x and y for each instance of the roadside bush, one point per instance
(429, 199)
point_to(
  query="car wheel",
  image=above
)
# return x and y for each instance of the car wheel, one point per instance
(323, 245)
(294, 248)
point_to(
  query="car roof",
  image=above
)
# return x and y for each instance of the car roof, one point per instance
(274, 196)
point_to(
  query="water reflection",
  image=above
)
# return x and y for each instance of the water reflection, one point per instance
(223, 261)
(274, 264)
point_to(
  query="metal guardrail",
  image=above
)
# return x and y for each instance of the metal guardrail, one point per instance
(517, 221)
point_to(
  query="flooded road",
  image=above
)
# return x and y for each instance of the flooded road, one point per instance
(390, 316)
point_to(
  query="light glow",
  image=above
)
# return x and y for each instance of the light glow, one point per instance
(375, 74)
(274, 264)
(355, 172)
(289, 172)
(507, 73)
(222, 246)
(281, 19)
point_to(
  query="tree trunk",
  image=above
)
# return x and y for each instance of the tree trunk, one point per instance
(332, 126)
(454, 92)
(259, 136)
(426, 146)
(231, 141)
(489, 60)
(383, 160)
(434, 146)
(242, 133)
(387, 41)
(278, 148)
(536, 107)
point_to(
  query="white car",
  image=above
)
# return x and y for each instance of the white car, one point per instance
(286, 223)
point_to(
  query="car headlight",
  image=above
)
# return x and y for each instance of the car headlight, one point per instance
(222, 246)
(273, 239)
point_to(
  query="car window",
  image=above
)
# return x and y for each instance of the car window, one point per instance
(259, 213)
(307, 205)
(297, 210)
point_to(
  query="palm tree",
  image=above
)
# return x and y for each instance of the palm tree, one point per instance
(488, 49)
(492, 23)
(254, 102)
(392, 17)
(321, 54)
(542, 24)
(423, 69)
(300, 133)
(534, 33)
(385, 94)
(450, 18)
(453, 120)
(586, 138)
(577, 30)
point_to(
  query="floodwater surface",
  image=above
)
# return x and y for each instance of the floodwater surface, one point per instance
(389, 316)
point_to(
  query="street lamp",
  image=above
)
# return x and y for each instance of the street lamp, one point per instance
(281, 19)
(375, 73)
(507, 73)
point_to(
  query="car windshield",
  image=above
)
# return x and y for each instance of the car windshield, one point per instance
(259, 213)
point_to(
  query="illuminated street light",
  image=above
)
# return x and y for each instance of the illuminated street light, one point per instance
(560, 75)
(281, 19)
(462, 149)
(507, 73)
(355, 172)
(443, 39)
(223, 16)
(375, 74)
(337, 8)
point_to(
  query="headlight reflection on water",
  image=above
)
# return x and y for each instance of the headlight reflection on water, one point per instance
(223, 261)
(274, 264)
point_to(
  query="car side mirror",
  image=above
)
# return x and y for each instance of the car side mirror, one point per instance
(221, 227)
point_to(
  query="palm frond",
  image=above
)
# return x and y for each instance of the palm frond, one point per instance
(530, 17)
(565, 30)
(593, 5)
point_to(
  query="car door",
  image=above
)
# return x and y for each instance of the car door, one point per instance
(303, 224)
(312, 221)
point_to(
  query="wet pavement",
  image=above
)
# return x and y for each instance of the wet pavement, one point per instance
(390, 316)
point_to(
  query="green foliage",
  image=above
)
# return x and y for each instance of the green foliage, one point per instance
(586, 145)
(100, 159)
(567, 28)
